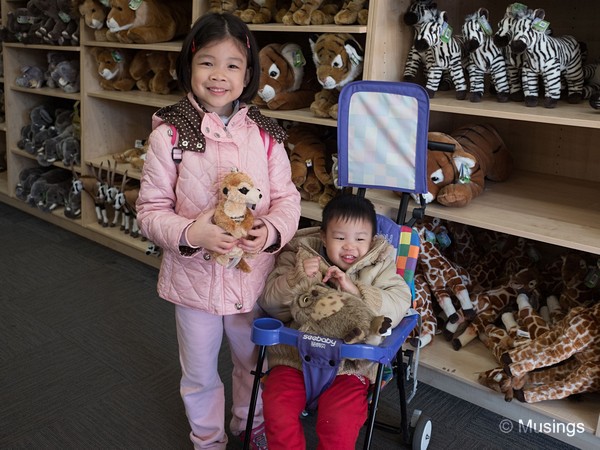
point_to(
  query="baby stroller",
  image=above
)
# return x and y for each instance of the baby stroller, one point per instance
(382, 144)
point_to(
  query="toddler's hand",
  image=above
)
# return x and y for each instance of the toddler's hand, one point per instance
(204, 233)
(311, 266)
(341, 280)
(256, 239)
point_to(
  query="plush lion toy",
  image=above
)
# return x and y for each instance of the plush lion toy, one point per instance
(234, 215)
(338, 58)
(455, 178)
(309, 12)
(113, 68)
(152, 71)
(353, 11)
(283, 82)
(147, 21)
(94, 15)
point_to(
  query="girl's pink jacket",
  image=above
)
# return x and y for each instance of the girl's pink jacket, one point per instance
(172, 196)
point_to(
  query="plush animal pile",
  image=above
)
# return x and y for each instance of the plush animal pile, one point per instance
(234, 214)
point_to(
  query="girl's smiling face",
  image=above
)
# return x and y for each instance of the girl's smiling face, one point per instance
(346, 241)
(219, 75)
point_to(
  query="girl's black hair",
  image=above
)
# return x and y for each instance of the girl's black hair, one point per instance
(349, 207)
(214, 27)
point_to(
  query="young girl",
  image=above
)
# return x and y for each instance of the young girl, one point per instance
(194, 144)
(346, 253)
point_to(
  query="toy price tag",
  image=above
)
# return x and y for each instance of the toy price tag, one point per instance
(443, 239)
(517, 8)
(446, 33)
(485, 25)
(116, 56)
(25, 20)
(540, 25)
(135, 4)
(523, 333)
(139, 143)
(298, 58)
(592, 278)
(105, 3)
(64, 17)
(430, 236)
(464, 174)
(308, 163)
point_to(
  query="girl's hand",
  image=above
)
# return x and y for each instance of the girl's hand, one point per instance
(341, 280)
(204, 233)
(256, 239)
(311, 266)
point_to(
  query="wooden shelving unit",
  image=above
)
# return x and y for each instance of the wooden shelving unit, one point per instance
(552, 197)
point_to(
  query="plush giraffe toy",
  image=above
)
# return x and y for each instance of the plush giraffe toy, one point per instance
(560, 362)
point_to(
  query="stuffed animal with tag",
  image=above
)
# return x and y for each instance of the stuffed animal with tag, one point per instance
(338, 58)
(94, 14)
(309, 12)
(455, 178)
(113, 68)
(147, 21)
(353, 11)
(239, 197)
(284, 84)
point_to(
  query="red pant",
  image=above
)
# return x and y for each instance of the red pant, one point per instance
(342, 410)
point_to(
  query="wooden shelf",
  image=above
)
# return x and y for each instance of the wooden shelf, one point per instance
(172, 46)
(559, 211)
(277, 27)
(48, 92)
(299, 115)
(132, 172)
(67, 48)
(137, 97)
(581, 115)
(4, 183)
(24, 154)
(3, 126)
(456, 372)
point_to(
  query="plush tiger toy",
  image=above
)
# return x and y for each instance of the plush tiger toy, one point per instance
(338, 58)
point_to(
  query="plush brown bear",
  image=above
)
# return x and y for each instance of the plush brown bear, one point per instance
(147, 21)
(284, 84)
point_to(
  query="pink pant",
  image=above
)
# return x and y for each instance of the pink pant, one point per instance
(342, 410)
(199, 335)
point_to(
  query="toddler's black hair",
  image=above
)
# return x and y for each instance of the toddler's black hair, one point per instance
(349, 207)
(214, 27)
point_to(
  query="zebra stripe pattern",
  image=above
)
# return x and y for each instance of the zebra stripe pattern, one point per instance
(550, 57)
(446, 54)
(484, 56)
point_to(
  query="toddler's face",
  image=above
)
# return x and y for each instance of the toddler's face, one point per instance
(219, 75)
(347, 241)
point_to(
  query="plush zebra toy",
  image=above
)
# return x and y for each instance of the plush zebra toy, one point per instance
(502, 39)
(484, 57)
(420, 11)
(436, 35)
(548, 56)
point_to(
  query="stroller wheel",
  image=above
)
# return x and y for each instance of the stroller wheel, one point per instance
(420, 430)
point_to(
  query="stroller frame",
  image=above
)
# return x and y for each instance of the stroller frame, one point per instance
(362, 106)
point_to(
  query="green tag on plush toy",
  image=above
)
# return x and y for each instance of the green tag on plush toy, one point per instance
(517, 8)
(464, 175)
(540, 25)
(485, 25)
(430, 236)
(116, 56)
(105, 3)
(446, 33)
(64, 17)
(134, 4)
(298, 58)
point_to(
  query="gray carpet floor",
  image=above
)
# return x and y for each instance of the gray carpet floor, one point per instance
(89, 356)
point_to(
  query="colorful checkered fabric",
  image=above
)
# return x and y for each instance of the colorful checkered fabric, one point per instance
(407, 254)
